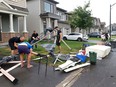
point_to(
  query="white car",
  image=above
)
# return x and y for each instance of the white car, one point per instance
(113, 33)
(75, 36)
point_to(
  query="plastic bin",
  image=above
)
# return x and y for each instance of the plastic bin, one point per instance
(81, 57)
(93, 57)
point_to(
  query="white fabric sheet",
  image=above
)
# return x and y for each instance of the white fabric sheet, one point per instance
(101, 50)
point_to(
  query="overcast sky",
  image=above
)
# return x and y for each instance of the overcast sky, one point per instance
(100, 8)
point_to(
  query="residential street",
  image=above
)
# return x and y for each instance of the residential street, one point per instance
(57, 43)
(103, 74)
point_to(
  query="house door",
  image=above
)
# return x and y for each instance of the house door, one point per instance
(0, 29)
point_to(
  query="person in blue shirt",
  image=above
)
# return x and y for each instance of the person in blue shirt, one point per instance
(25, 48)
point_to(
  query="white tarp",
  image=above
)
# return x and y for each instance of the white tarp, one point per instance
(101, 50)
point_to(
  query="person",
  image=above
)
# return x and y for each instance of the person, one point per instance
(34, 38)
(25, 48)
(13, 43)
(103, 37)
(106, 36)
(59, 38)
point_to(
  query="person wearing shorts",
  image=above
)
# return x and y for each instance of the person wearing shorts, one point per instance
(59, 38)
(13, 43)
(25, 48)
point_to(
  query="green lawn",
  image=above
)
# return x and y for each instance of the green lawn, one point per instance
(113, 37)
(75, 45)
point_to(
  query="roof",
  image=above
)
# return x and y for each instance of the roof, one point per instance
(54, 1)
(19, 8)
(61, 9)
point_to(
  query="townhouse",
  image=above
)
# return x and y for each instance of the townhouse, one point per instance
(10, 13)
(44, 14)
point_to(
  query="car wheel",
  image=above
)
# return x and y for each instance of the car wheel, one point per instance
(64, 38)
(79, 39)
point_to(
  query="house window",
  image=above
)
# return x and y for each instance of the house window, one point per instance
(52, 8)
(48, 7)
(62, 16)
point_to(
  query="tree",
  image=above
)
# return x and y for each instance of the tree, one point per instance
(81, 18)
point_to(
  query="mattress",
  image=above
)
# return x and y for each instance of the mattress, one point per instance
(101, 50)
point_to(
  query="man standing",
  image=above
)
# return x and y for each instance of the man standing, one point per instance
(59, 38)
(13, 43)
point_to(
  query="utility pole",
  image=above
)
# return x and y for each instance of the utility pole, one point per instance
(110, 20)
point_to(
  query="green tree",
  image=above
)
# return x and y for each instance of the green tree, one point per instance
(81, 17)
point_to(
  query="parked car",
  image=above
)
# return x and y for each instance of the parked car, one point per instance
(75, 36)
(113, 33)
(94, 34)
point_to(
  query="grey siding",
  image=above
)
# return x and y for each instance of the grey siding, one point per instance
(66, 29)
(61, 25)
(33, 17)
(15, 23)
(5, 23)
(21, 24)
(20, 3)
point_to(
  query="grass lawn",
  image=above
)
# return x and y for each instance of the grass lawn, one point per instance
(113, 37)
(75, 46)
(92, 38)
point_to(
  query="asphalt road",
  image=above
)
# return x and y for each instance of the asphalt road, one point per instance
(103, 74)
(31, 78)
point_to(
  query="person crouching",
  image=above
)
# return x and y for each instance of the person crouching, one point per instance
(25, 48)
